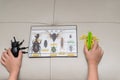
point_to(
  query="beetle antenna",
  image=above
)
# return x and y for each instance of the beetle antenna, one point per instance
(21, 42)
(11, 41)
(14, 39)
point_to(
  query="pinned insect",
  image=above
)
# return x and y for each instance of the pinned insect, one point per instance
(53, 49)
(54, 35)
(62, 42)
(89, 39)
(16, 47)
(71, 48)
(36, 44)
(71, 43)
(45, 43)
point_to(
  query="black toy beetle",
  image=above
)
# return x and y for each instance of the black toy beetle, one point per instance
(15, 47)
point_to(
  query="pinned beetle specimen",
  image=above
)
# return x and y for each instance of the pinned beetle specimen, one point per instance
(53, 49)
(71, 48)
(71, 43)
(36, 44)
(62, 42)
(54, 35)
(45, 43)
(70, 36)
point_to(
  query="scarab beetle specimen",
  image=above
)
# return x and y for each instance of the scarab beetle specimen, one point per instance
(36, 44)
(53, 49)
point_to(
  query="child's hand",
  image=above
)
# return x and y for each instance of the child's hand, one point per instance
(11, 63)
(94, 55)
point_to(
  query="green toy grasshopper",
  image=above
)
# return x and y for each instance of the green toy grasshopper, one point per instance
(89, 39)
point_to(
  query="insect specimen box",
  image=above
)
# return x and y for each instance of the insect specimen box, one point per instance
(53, 41)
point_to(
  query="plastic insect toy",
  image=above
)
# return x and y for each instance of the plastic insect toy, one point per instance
(89, 39)
(36, 44)
(16, 47)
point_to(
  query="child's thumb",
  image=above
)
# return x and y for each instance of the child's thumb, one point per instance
(85, 49)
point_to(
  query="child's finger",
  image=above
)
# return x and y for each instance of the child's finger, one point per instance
(5, 54)
(10, 53)
(95, 46)
(2, 61)
(3, 58)
(85, 49)
(102, 52)
(20, 54)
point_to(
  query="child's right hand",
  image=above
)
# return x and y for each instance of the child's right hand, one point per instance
(94, 55)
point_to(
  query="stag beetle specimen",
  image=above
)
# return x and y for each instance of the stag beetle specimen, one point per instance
(36, 46)
(16, 47)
